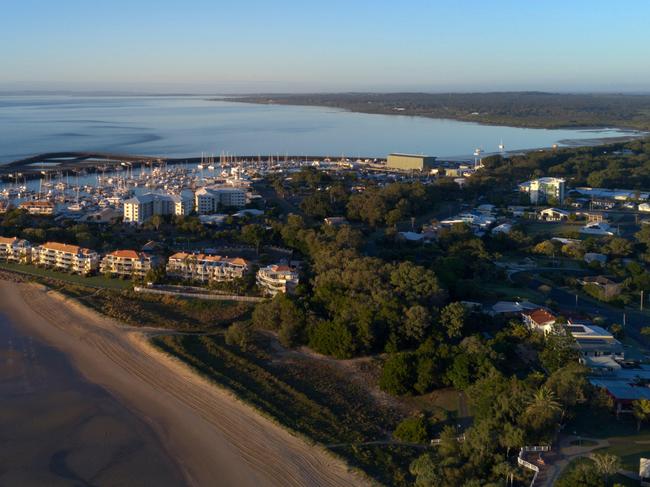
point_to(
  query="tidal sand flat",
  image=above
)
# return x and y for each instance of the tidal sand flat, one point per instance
(216, 439)
(56, 429)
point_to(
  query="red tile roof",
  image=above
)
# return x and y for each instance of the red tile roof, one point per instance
(60, 247)
(539, 316)
(126, 254)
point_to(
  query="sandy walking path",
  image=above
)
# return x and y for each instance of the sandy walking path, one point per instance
(217, 440)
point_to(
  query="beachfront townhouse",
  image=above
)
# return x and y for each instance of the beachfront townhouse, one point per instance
(127, 263)
(14, 249)
(274, 279)
(206, 268)
(64, 257)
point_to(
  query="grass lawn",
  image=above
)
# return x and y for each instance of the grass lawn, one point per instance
(616, 479)
(622, 434)
(552, 229)
(92, 281)
(506, 291)
(629, 449)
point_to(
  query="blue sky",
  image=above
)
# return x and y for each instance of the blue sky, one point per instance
(333, 45)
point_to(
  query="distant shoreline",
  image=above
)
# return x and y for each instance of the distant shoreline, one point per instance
(437, 106)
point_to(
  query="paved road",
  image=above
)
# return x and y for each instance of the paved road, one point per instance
(634, 319)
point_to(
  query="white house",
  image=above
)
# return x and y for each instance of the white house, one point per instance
(539, 320)
(553, 214)
(276, 279)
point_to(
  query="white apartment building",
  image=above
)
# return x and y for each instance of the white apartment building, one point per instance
(69, 258)
(544, 190)
(210, 198)
(127, 263)
(38, 207)
(206, 268)
(276, 279)
(140, 208)
(14, 249)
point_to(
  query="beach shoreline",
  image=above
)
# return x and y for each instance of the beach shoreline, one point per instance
(212, 435)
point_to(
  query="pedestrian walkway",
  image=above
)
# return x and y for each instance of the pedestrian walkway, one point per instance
(564, 454)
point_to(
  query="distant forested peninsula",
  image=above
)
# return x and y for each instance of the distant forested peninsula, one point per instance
(518, 109)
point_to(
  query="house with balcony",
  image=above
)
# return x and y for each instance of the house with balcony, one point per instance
(38, 207)
(274, 279)
(14, 249)
(127, 263)
(206, 268)
(64, 257)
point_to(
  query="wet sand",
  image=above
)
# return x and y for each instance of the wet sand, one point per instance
(56, 429)
(216, 439)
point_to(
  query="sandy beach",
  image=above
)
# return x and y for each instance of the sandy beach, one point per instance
(216, 439)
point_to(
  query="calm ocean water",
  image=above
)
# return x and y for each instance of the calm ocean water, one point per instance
(189, 125)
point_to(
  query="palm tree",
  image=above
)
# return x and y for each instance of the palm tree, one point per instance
(543, 410)
(641, 411)
(544, 400)
(606, 464)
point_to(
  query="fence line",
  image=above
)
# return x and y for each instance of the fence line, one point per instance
(528, 465)
(215, 297)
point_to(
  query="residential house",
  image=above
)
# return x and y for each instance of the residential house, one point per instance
(598, 228)
(605, 285)
(14, 249)
(38, 207)
(513, 307)
(276, 279)
(539, 320)
(127, 263)
(553, 215)
(335, 221)
(69, 258)
(205, 268)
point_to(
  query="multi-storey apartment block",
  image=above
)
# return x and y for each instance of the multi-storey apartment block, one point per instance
(13, 249)
(544, 190)
(140, 208)
(276, 279)
(205, 268)
(127, 263)
(69, 258)
(38, 207)
(210, 199)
